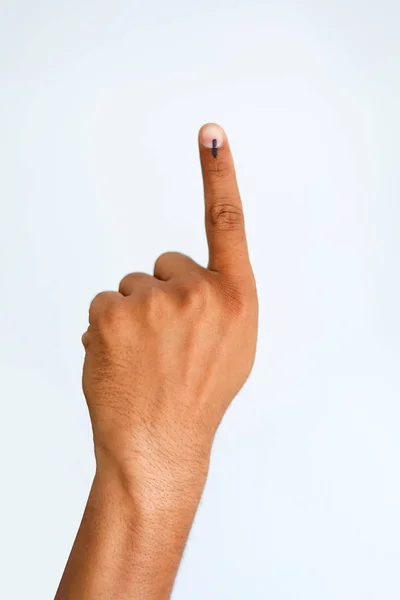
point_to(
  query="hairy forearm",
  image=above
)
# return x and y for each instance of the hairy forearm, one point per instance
(130, 542)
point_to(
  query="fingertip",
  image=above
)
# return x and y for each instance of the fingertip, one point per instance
(211, 135)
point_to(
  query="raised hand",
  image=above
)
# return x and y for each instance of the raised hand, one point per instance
(165, 356)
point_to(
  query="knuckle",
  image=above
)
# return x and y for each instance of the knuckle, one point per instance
(126, 281)
(131, 282)
(155, 301)
(226, 216)
(197, 293)
(115, 314)
(125, 284)
(222, 170)
(99, 300)
(165, 258)
(98, 305)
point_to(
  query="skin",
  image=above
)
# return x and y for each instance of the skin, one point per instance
(165, 356)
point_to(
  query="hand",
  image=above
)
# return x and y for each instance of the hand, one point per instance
(166, 354)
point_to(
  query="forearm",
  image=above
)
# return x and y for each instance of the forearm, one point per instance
(130, 542)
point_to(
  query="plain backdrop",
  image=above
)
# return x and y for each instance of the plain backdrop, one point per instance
(100, 105)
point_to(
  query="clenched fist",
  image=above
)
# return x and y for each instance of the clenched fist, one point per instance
(165, 355)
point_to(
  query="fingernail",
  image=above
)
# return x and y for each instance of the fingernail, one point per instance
(211, 136)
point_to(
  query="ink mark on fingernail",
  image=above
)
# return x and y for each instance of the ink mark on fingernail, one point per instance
(214, 149)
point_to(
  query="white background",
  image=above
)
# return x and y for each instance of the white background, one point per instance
(100, 104)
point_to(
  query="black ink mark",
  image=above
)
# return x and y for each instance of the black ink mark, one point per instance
(214, 149)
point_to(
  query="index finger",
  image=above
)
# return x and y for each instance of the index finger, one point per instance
(226, 237)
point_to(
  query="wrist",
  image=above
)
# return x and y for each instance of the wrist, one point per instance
(150, 522)
(136, 540)
(150, 486)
